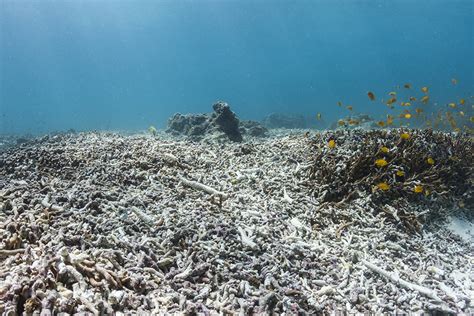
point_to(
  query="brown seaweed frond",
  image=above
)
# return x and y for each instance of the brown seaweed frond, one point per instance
(427, 168)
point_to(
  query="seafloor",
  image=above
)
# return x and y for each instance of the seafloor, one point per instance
(107, 223)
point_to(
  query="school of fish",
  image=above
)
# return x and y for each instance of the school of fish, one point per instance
(452, 117)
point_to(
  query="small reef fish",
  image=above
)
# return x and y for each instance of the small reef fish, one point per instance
(384, 186)
(400, 173)
(471, 119)
(454, 81)
(451, 120)
(424, 89)
(371, 95)
(393, 93)
(418, 189)
(318, 116)
(413, 99)
(407, 86)
(461, 113)
(430, 161)
(381, 162)
(389, 119)
(339, 103)
(391, 101)
(341, 123)
(384, 149)
(405, 136)
(381, 123)
(418, 110)
(425, 99)
(331, 144)
(407, 115)
(349, 107)
(353, 122)
(453, 105)
(462, 101)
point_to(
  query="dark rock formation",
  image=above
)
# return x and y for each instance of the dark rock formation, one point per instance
(221, 124)
(227, 121)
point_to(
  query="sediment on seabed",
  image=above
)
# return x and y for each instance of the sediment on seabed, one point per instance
(106, 223)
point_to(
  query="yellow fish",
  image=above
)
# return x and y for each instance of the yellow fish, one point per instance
(389, 119)
(341, 123)
(461, 113)
(393, 94)
(412, 99)
(331, 144)
(418, 189)
(318, 116)
(430, 161)
(391, 101)
(462, 101)
(381, 123)
(425, 99)
(384, 186)
(353, 122)
(405, 136)
(418, 110)
(384, 149)
(381, 162)
(453, 105)
(400, 173)
(407, 115)
(424, 89)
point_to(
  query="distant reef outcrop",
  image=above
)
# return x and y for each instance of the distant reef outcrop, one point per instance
(286, 120)
(222, 124)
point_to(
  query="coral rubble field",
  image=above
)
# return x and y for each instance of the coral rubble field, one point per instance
(292, 223)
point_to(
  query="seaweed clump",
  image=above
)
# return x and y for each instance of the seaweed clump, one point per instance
(394, 170)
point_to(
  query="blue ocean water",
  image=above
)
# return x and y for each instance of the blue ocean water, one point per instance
(130, 64)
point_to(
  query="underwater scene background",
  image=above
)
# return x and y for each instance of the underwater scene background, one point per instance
(126, 65)
(236, 157)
